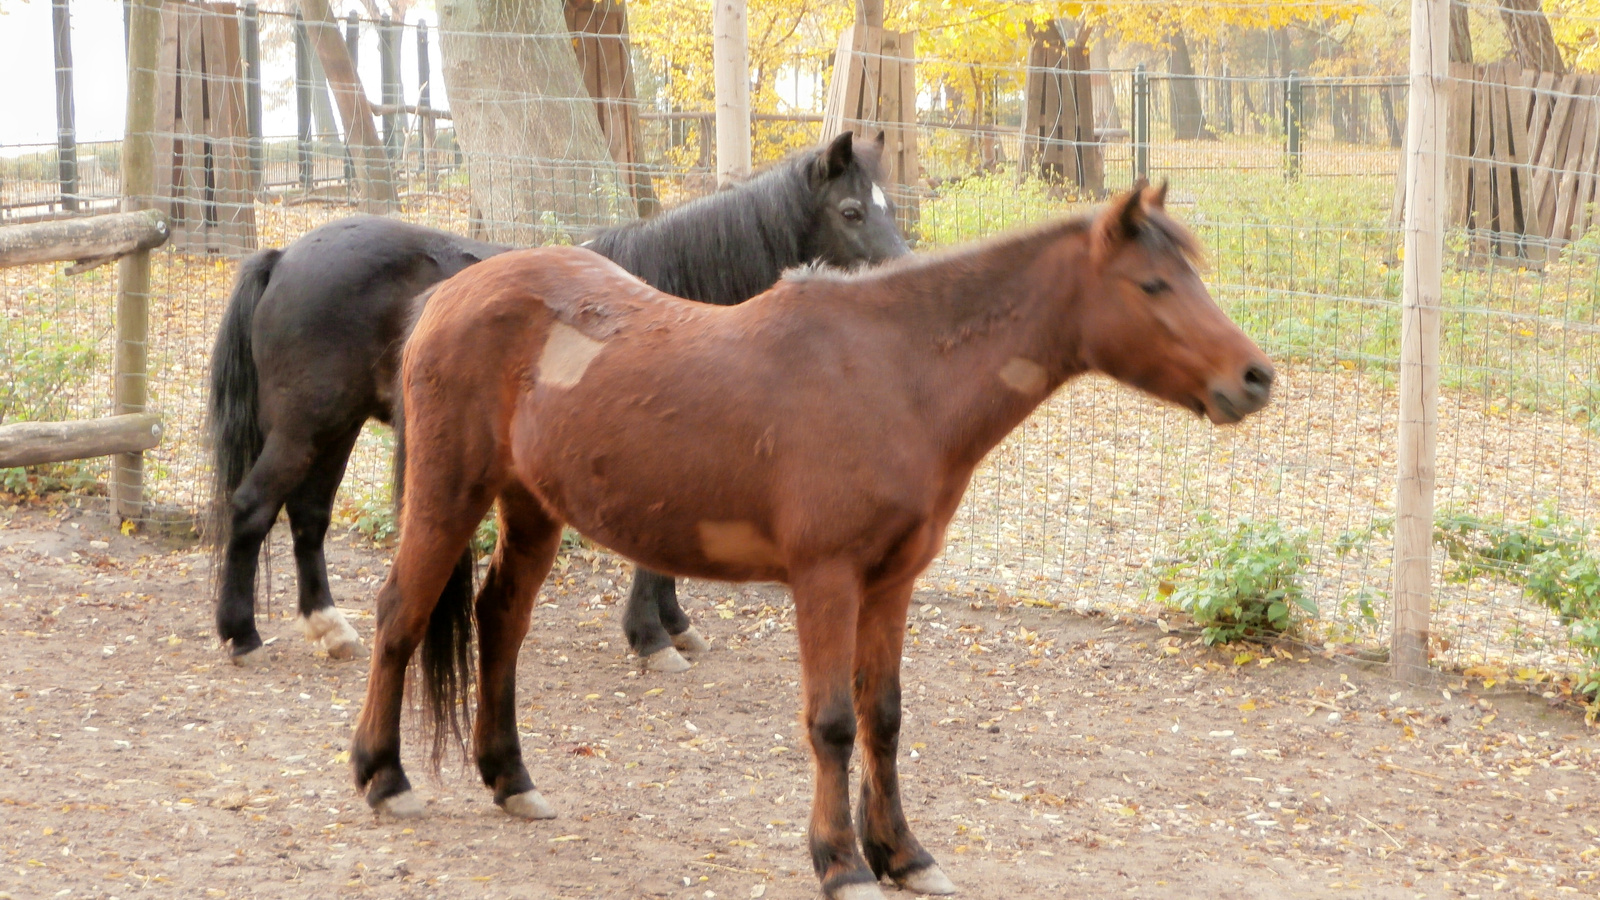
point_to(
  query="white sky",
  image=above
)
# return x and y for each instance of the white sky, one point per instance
(27, 67)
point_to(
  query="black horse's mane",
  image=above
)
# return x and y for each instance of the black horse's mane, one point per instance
(726, 247)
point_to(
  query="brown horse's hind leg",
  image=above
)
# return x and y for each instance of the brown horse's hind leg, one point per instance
(886, 838)
(522, 558)
(437, 525)
(827, 599)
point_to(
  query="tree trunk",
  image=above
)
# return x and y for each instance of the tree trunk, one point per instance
(1530, 36)
(1183, 94)
(538, 165)
(360, 133)
(1460, 33)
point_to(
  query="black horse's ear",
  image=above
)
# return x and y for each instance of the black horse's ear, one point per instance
(881, 139)
(836, 159)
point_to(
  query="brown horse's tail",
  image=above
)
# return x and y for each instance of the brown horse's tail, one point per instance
(445, 665)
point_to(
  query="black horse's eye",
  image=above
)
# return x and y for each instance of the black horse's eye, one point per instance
(1154, 286)
(852, 212)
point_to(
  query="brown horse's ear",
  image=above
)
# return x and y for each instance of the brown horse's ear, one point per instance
(1156, 197)
(1118, 223)
(838, 156)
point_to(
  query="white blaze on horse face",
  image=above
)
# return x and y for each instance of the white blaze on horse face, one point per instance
(567, 353)
(1024, 376)
(878, 199)
(737, 543)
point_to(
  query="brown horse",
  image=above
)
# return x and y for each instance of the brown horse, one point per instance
(821, 435)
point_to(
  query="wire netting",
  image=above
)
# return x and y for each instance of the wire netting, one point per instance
(1290, 181)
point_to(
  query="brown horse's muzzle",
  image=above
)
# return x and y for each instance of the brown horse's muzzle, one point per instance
(1234, 398)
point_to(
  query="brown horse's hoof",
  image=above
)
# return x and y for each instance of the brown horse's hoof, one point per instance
(861, 890)
(528, 805)
(931, 880)
(668, 660)
(691, 641)
(404, 805)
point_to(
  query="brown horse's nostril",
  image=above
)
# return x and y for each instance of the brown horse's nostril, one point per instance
(1258, 381)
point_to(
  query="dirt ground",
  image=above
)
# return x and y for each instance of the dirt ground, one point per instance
(1044, 754)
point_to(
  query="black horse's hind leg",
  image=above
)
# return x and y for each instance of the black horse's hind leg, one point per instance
(656, 625)
(279, 470)
(310, 508)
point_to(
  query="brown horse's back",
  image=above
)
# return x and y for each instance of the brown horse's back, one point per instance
(620, 370)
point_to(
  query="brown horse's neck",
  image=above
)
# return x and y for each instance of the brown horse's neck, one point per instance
(989, 332)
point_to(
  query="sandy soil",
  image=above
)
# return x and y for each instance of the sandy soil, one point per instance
(1047, 754)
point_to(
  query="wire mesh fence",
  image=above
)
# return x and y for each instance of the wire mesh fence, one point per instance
(1289, 181)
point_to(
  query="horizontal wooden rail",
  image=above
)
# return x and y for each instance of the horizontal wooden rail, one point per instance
(88, 241)
(33, 443)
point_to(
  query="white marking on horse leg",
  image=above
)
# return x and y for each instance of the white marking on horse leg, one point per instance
(861, 890)
(567, 353)
(332, 630)
(404, 805)
(1024, 376)
(691, 641)
(740, 543)
(927, 881)
(878, 199)
(667, 660)
(528, 805)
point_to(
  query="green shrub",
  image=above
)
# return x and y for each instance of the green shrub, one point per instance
(1239, 583)
(983, 205)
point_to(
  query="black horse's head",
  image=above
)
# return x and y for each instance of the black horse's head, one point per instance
(855, 221)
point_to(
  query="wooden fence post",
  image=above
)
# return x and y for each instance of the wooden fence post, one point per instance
(1426, 124)
(130, 387)
(731, 71)
(394, 118)
(250, 28)
(66, 115)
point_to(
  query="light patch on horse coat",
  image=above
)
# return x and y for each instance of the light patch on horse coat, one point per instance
(1024, 376)
(878, 199)
(738, 543)
(567, 353)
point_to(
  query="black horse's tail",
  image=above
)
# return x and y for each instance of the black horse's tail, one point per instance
(445, 664)
(232, 423)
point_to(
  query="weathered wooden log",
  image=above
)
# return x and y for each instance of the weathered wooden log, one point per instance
(84, 240)
(33, 443)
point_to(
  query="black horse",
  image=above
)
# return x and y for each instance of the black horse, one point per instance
(310, 345)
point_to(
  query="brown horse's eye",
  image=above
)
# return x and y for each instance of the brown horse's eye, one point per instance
(1154, 286)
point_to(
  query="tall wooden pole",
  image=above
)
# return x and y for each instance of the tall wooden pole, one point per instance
(66, 110)
(869, 13)
(130, 388)
(731, 71)
(1419, 335)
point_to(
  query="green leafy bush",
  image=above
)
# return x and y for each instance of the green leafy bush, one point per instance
(983, 205)
(1239, 583)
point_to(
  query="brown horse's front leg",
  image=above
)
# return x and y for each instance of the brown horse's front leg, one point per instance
(827, 599)
(886, 838)
(522, 559)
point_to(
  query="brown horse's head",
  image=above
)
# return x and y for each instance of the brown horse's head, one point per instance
(1151, 322)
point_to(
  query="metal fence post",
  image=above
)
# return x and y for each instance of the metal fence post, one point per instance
(1225, 103)
(1141, 123)
(389, 74)
(1293, 111)
(425, 126)
(352, 45)
(302, 99)
(66, 117)
(250, 35)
